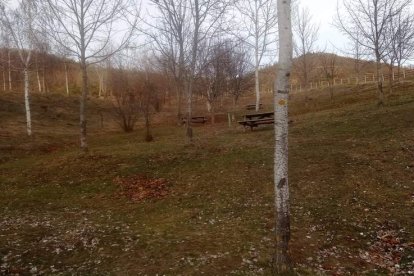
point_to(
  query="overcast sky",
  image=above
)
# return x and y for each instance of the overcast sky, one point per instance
(323, 12)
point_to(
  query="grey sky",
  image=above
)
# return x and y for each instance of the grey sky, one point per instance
(323, 12)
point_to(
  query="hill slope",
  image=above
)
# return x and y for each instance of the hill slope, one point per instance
(211, 211)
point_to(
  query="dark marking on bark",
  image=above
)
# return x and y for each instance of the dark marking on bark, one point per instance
(288, 74)
(282, 91)
(281, 183)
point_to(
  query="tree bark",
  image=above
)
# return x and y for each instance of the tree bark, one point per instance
(10, 74)
(45, 88)
(281, 97)
(380, 90)
(27, 101)
(66, 79)
(179, 91)
(83, 98)
(194, 49)
(257, 87)
(390, 77)
(148, 135)
(4, 81)
(39, 84)
(189, 129)
(256, 54)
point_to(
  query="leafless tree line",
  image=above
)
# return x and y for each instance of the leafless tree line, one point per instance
(184, 36)
(382, 29)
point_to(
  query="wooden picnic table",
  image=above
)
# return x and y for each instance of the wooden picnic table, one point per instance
(254, 120)
(253, 106)
(255, 116)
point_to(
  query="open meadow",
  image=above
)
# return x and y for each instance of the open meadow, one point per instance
(129, 207)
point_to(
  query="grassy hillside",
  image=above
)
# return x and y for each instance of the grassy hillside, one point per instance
(209, 206)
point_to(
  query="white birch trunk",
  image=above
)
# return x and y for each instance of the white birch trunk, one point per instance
(27, 102)
(208, 101)
(66, 79)
(257, 87)
(281, 97)
(39, 84)
(256, 55)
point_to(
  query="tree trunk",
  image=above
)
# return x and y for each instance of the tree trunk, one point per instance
(189, 129)
(257, 87)
(148, 135)
(10, 74)
(390, 78)
(66, 79)
(83, 99)
(39, 84)
(380, 90)
(27, 101)
(281, 96)
(45, 88)
(4, 81)
(179, 97)
(331, 90)
(100, 78)
(399, 72)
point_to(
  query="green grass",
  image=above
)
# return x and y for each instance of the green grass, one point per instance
(351, 175)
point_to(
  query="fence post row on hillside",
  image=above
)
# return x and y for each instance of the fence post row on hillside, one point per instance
(354, 80)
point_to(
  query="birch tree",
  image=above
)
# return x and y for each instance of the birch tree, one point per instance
(84, 28)
(205, 22)
(171, 41)
(367, 22)
(259, 17)
(20, 24)
(281, 96)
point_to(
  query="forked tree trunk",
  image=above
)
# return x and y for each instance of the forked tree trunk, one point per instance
(27, 101)
(281, 97)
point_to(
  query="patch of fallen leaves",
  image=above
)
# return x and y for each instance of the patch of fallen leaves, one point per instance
(387, 252)
(139, 187)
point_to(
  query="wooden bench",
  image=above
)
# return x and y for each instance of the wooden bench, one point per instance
(195, 120)
(254, 120)
(253, 106)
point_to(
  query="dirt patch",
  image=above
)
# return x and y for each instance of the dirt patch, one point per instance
(139, 187)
